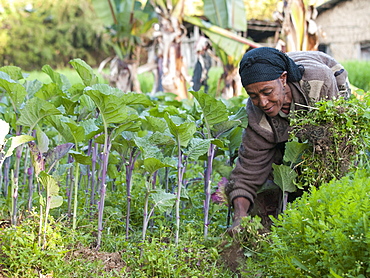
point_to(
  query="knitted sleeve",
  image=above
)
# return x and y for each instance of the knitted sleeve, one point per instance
(253, 166)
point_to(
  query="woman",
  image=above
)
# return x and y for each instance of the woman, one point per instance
(277, 84)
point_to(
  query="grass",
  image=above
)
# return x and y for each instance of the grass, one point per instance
(358, 73)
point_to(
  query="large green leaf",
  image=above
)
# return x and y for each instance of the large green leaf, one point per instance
(133, 98)
(69, 106)
(235, 139)
(14, 73)
(214, 111)
(52, 190)
(148, 149)
(86, 73)
(42, 140)
(161, 139)
(152, 164)
(32, 86)
(16, 91)
(284, 177)
(81, 157)
(231, 47)
(237, 15)
(217, 12)
(50, 92)
(293, 151)
(197, 147)
(163, 200)
(90, 127)
(77, 131)
(226, 14)
(223, 128)
(35, 110)
(16, 141)
(60, 79)
(103, 11)
(110, 102)
(182, 132)
(69, 130)
(155, 124)
(132, 124)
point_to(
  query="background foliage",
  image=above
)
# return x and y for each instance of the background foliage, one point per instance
(37, 32)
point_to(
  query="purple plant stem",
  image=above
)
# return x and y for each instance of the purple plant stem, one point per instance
(6, 175)
(103, 191)
(285, 200)
(1, 180)
(129, 170)
(93, 180)
(69, 182)
(19, 151)
(88, 170)
(207, 187)
(180, 173)
(25, 169)
(30, 173)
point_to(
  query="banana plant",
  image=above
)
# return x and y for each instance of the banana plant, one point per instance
(299, 30)
(225, 19)
(127, 23)
(175, 77)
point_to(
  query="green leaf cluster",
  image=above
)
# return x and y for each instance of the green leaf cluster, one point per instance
(326, 232)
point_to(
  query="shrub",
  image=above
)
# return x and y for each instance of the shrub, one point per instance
(326, 232)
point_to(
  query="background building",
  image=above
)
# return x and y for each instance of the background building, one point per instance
(345, 29)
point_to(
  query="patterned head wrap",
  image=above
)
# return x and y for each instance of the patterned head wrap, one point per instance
(266, 64)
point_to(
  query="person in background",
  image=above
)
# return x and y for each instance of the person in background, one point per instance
(202, 66)
(277, 84)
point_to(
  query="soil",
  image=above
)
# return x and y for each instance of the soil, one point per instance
(111, 261)
(233, 257)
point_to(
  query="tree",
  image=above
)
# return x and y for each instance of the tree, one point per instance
(225, 19)
(170, 14)
(128, 23)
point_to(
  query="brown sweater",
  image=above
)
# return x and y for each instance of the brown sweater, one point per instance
(261, 143)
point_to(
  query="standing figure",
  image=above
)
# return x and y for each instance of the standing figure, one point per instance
(202, 66)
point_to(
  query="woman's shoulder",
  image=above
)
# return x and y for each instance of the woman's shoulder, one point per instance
(317, 65)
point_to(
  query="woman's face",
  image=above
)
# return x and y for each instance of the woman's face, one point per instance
(270, 96)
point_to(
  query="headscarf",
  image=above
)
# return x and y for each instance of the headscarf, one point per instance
(266, 64)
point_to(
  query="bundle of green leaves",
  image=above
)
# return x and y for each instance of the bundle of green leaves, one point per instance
(336, 134)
